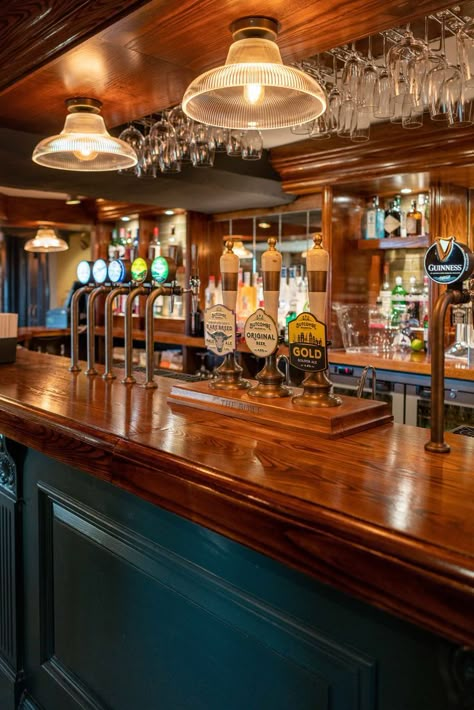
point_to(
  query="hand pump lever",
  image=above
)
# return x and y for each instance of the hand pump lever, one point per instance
(229, 373)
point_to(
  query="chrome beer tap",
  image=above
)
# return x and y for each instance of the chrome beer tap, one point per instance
(163, 273)
(84, 276)
(99, 274)
(140, 271)
(120, 278)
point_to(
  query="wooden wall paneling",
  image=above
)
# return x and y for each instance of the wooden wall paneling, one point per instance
(350, 267)
(146, 226)
(100, 241)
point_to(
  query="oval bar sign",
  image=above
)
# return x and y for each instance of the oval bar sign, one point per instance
(448, 261)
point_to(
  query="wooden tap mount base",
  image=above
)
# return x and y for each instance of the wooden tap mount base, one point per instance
(352, 416)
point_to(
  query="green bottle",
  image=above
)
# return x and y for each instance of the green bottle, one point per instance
(398, 301)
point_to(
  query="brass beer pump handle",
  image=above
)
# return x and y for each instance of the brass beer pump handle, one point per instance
(109, 337)
(74, 367)
(229, 373)
(270, 378)
(316, 385)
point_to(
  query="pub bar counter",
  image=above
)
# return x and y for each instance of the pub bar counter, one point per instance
(159, 556)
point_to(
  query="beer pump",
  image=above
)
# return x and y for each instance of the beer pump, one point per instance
(84, 276)
(119, 272)
(99, 275)
(140, 271)
(163, 271)
(229, 373)
(261, 328)
(307, 334)
(448, 263)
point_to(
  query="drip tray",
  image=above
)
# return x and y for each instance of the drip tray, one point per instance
(466, 430)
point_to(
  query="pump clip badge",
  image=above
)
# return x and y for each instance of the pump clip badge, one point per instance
(448, 261)
(219, 329)
(307, 343)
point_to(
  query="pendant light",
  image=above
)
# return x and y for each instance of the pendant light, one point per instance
(45, 241)
(84, 143)
(254, 89)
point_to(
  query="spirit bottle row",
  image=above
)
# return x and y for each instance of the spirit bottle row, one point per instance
(396, 220)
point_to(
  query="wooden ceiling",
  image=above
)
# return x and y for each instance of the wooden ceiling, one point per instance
(138, 57)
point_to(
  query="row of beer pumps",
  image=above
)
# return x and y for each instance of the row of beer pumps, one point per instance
(307, 341)
(307, 333)
(130, 279)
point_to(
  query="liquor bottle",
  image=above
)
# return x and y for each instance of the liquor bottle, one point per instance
(374, 220)
(385, 294)
(248, 297)
(210, 292)
(398, 301)
(392, 221)
(414, 221)
(292, 290)
(413, 303)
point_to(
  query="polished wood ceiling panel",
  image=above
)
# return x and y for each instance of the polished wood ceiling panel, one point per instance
(144, 61)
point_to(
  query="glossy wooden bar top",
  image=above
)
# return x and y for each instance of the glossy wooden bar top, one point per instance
(412, 362)
(372, 514)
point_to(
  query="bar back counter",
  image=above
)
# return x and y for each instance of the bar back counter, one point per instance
(157, 556)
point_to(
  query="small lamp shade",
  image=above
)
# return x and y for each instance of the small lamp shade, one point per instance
(84, 144)
(45, 241)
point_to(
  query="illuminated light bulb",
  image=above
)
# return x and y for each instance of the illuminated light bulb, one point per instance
(254, 94)
(85, 154)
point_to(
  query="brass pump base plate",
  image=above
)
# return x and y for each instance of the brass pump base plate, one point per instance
(351, 416)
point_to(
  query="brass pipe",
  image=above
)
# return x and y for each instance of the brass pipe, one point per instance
(91, 328)
(129, 379)
(74, 367)
(109, 340)
(150, 331)
(436, 444)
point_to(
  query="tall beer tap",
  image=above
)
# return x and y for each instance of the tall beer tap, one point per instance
(99, 274)
(270, 379)
(229, 373)
(84, 276)
(120, 277)
(449, 263)
(316, 385)
(163, 271)
(140, 271)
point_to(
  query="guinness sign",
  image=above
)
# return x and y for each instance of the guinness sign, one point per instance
(448, 261)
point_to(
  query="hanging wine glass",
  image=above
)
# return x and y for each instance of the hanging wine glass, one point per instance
(252, 145)
(361, 126)
(399, 56)
(202, 147)
(465, 48)
(302, 129)
(148, 166)
(221, 138)
(347, 115)
(234, 145)
(136, 139)
(334, 101)
(461, 114)
(321, 129)
(367, 81)
(439, 98)
(352, 73)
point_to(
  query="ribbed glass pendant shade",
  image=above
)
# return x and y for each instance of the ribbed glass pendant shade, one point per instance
(254, 89)
(45, 241)
(84, 143)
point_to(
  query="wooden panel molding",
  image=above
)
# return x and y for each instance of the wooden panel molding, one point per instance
(306, 167)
